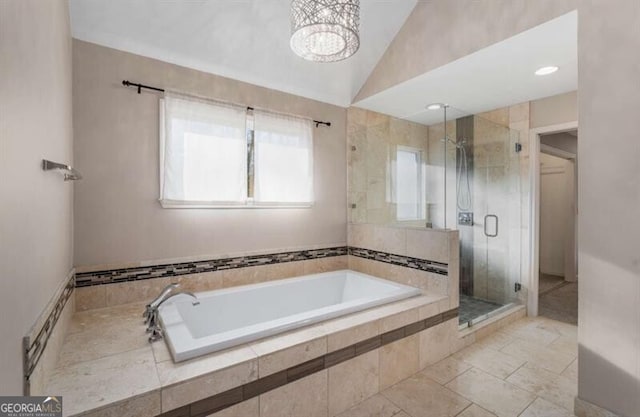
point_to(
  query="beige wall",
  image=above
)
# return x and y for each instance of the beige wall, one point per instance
(36, 207)
(609, 201)
(554, 110)
(117, 216)
(440, 31)
(557, 196)
(563, 141)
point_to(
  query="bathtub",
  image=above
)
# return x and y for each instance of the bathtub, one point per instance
(233, 316)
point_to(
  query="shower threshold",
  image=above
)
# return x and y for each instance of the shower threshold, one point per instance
(482, 317)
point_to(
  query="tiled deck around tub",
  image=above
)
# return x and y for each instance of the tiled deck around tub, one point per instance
(526, 369)
(400, 359)
(107, 367)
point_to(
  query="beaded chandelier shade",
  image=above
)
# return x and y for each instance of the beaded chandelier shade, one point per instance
(325, 30)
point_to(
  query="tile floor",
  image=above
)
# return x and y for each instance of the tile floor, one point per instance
(548, 282)
(560, 303)
(527, 369)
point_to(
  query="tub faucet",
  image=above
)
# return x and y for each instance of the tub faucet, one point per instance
(152, 317)
(149, 307)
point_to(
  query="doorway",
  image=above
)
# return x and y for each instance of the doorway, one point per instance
(557, 261)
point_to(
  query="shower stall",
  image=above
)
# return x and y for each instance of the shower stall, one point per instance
(483, 180)
(447, 169)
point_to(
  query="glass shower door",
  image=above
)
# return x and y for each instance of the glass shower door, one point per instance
(488, 216)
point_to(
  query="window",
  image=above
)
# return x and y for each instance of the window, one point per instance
(283, 159)
(409, 182)
(216, 155)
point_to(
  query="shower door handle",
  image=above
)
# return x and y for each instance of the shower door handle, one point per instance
(486, 218)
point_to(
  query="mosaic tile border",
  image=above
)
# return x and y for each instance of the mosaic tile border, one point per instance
(86, 279)
(265, 384)
(112, 276)
(33, 349)
(399, 260)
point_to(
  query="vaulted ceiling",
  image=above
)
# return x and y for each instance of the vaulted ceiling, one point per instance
(497, 76)
(247, 40)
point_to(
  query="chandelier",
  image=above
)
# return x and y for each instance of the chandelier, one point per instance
(325, 30)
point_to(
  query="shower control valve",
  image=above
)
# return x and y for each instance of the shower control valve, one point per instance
(465, 218)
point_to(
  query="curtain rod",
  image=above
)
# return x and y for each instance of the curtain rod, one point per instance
(139, 86)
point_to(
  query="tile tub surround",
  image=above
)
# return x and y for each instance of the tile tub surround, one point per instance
(161, 270)
(436, 245)
(106, 346)
(439, 249)
(99, 287)
(143, 287)
(42, 344)
(404, 261)
(113, 276)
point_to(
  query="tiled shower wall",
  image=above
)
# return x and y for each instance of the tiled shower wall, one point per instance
(465, 165)
(372, 139)
(435, 194)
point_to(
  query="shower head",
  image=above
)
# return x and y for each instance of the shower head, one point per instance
(460, 144)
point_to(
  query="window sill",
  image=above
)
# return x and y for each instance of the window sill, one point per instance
(410, 220)
(174, 205)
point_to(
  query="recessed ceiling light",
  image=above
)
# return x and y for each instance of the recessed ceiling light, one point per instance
(435, 106)
(546, 70)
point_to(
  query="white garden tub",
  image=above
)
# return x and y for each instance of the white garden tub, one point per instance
(229, 317)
